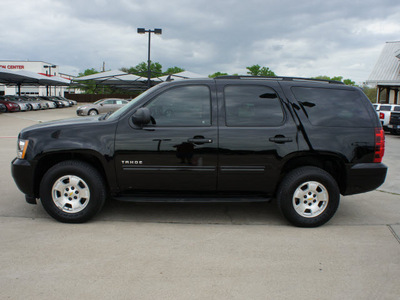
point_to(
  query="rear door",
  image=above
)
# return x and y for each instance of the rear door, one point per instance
(256, 133)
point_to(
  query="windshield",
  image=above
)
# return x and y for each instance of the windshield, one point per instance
(132, 103)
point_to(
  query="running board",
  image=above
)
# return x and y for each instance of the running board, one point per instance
(190, 199)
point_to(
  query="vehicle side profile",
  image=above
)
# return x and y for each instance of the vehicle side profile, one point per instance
(299, 141)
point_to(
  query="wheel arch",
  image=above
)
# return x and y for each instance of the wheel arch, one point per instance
(331, 163)
(47, 161)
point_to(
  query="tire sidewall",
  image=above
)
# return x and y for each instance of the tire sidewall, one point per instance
(296, 178)
(87, 173)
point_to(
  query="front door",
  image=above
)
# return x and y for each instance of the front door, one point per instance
(178, 152)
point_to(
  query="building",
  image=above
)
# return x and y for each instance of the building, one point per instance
(386, 74)
(40, 67)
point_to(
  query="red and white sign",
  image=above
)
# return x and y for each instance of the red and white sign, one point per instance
(13, 67)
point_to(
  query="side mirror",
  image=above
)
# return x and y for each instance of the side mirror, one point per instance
(141, 116)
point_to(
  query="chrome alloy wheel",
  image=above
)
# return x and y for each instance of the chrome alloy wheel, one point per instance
(70, 194)
(310, 199)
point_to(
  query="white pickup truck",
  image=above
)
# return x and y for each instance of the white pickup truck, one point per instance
(384, 112)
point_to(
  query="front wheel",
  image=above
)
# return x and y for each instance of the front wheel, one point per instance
(72, 191)
(308, 197)
(93, 112)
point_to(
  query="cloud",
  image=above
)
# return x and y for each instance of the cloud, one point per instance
(293, 38)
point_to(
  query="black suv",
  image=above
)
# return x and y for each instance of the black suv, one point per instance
(301, 141)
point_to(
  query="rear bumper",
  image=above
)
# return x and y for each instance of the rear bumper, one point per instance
(363, 178)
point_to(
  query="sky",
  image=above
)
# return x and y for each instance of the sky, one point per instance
(304, 38)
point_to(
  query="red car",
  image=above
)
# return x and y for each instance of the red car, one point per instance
(11, 106)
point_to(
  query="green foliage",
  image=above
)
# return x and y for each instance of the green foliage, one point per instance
(257, 70)
(336, 78)
(141, 69)
(370, 92)
(88, 87)
(216, 74)
(174, 70)
(88, 72)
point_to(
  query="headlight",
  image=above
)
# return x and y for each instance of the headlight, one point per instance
(21, 148)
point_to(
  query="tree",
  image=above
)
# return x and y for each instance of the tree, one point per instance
(141, 69)
(88, 87)
(174, 70)
(257, 70)
(370, 92)
(336, 78)
(216, 74)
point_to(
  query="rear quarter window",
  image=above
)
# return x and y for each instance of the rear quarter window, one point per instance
(333, 107)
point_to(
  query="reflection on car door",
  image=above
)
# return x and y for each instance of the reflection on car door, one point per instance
(255, 132)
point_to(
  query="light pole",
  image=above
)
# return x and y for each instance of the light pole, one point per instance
(143, 31)
(49, 67)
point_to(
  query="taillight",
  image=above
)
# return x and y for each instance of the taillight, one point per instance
(381, 115)
(379, 145)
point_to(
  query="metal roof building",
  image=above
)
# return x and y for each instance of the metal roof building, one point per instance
(386, 74)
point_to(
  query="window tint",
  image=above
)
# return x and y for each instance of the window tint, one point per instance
(396, 108)
(182, 106)
(333, 107)
(250, 105)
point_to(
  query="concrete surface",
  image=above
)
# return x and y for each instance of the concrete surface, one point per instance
(196, 251)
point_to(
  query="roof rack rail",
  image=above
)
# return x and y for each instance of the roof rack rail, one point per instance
(283, 78)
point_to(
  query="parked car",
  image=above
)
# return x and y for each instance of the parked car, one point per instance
(101, 106)
(22, 105)
(385, 111)
(3, 108)
(10, 105)
(57, 103)
(71, 102)
(45, 104)
(34, 104)
(230, 138)
(394, 123)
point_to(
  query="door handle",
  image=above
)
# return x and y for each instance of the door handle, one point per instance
(200, 141)
(280, 139)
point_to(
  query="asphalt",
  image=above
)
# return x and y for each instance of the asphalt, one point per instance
(196, 251)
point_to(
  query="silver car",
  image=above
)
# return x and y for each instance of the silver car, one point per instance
(101, 106)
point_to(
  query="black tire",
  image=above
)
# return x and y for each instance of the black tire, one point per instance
(93, 112)
(72, 191)
(308, 197)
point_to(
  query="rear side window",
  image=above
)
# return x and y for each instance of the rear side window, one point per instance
(396, 108)
(251, 105)
(333, 107)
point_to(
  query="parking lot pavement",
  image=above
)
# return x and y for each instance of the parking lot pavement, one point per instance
(197, 251)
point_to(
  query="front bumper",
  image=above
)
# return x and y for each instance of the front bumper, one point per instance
(364, 177)
(81, 112)
(23, 173)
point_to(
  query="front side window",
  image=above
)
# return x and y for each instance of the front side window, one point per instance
(182, 106)
(251, 105)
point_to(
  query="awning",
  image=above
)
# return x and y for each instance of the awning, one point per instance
(180, 76)
(122, 80)
(22, 77)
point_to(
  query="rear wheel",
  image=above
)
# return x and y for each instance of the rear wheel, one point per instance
(72, 191)
(308, 197)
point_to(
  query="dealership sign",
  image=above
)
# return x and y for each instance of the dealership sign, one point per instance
(13, 67)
